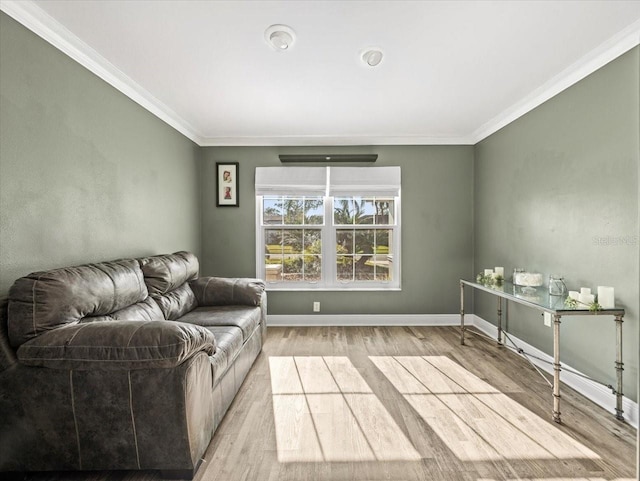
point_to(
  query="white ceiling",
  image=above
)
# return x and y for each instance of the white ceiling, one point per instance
(453, 71)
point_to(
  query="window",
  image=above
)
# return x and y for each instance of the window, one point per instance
(364, 235)
(328, 227)
(293, 238)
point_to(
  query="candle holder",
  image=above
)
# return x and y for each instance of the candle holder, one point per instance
(557, 287)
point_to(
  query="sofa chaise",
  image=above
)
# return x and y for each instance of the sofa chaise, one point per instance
(123, 365)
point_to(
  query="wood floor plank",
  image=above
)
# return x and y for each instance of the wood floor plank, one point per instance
(340, 435)
(296, 433)
(346, 376)
(386, 439)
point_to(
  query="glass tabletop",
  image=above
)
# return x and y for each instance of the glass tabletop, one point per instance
(539, 298)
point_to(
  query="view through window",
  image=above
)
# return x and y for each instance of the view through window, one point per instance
(344, 236)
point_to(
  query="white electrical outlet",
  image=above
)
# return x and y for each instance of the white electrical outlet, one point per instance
(316, 306)
(547, 319)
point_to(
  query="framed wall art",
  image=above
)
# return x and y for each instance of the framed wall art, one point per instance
(227, 184)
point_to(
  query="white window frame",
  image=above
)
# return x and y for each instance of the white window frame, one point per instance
(329, 281)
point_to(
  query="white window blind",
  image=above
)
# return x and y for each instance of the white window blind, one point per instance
(291, 180)
(378, 181)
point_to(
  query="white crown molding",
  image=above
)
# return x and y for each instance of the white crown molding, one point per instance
(592, 390)
(333, 140)
(597, 58)
(38, 21)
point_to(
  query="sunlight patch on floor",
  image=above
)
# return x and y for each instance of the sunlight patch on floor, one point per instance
(472, 418)
(325, 411)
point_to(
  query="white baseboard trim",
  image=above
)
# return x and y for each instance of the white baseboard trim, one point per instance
(308, 320)
(592, 390)
(597, 393)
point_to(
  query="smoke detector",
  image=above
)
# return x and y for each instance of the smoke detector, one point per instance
(280, 37)
(372, 57)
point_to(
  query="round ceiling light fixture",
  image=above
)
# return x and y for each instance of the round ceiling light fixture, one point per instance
(280, 37)
(372, 57)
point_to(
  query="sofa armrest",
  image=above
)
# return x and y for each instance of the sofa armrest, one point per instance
(117, 345)
(228, 291)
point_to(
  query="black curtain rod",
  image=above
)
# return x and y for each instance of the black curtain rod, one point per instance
(328, 158)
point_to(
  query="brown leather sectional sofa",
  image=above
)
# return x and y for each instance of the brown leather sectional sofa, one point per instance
(129, 364)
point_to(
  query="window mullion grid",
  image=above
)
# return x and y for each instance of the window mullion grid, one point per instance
(363, 227)
(329, 240)
(304, 263)
(328, 250)
(355, 227)
(261, 241)
(393, 228)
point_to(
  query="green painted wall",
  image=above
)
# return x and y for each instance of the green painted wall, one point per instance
(86, 174)
(437, 244)
(557, 192)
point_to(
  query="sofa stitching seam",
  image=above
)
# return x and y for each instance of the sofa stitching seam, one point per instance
(160, 359)
(75, 419)
(44, 346)
(233, 290)
(135, 331)
(206, 289)
(113, 281)
(133, 420)
(34, 303)
(68, 342)
(167, 265)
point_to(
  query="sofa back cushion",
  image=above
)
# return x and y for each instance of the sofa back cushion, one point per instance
(147, 310)
(167, 278)
(167, 272)
(177, 303)
(46, 300)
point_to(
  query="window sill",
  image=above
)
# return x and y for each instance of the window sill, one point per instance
(331, 289)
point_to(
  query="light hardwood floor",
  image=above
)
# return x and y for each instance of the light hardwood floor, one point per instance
(401, 403)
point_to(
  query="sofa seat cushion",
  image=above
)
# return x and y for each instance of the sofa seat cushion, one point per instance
(117, 345)
(47, 300)
(245, 317)
(228, 345)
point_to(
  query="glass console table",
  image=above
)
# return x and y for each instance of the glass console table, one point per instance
(539, 298)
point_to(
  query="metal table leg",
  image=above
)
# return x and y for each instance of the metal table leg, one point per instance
(619, 368)
(556, 368)
(499, 321)
(462, 313)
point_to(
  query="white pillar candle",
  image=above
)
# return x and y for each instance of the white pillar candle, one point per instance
(574, 295)
(585, 300)
(605, 297)
(585, 290)
(499, 271)
(488, 272)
